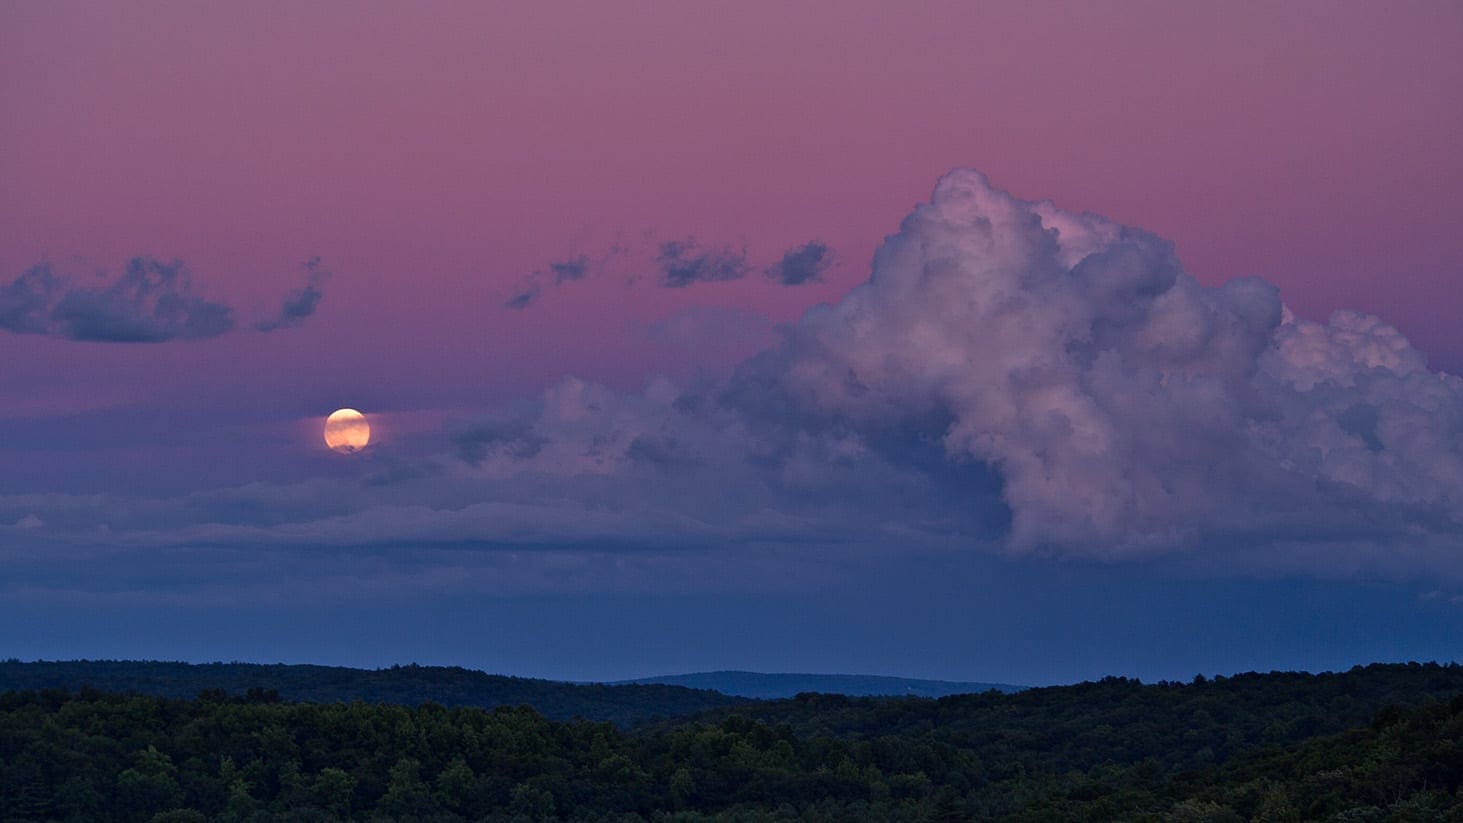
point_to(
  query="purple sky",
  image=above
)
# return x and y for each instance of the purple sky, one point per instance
(888, 488)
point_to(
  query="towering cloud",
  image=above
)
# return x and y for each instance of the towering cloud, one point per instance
(1122, 404)
(1055, 382)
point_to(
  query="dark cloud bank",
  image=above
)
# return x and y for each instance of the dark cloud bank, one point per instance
(151, 302)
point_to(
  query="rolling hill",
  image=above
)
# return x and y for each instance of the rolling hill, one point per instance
(403, 685)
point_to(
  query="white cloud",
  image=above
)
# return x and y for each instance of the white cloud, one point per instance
(1124, 405)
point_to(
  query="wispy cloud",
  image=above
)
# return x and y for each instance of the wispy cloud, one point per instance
(676, 264)
(554, 275)
(302, 302)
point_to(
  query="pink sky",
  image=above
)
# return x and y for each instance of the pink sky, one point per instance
(159, 500)
(435, 156)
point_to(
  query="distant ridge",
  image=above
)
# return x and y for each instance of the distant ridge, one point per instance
(624, 704)
(774, 686)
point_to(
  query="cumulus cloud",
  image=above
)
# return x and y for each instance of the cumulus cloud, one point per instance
(1122, 404)
(804, 264)
(151, 302)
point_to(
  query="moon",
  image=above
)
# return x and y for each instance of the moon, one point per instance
(346, 431)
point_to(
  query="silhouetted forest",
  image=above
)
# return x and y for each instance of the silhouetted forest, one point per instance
(404, 685)
(1377, 743)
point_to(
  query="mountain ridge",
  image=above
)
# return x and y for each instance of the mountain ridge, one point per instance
(409, 685)
(777, 685)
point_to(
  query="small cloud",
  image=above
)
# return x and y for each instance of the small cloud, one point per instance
(151, 302)
(804, 264)
(566, 270)
(302, 302)
(677, 264)
(29, 522)
(559, 272)
(522, 299)
(682, 264)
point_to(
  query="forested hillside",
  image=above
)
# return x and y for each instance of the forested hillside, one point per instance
(1375, 743)
(402, 685)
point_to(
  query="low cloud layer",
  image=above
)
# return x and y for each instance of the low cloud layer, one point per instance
(151, 302)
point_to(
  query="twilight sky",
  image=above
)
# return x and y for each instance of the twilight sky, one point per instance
(1018, 342)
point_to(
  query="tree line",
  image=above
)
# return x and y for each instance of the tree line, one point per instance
(1378, 743)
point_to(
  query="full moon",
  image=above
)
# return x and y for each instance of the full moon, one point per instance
(347, 431)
